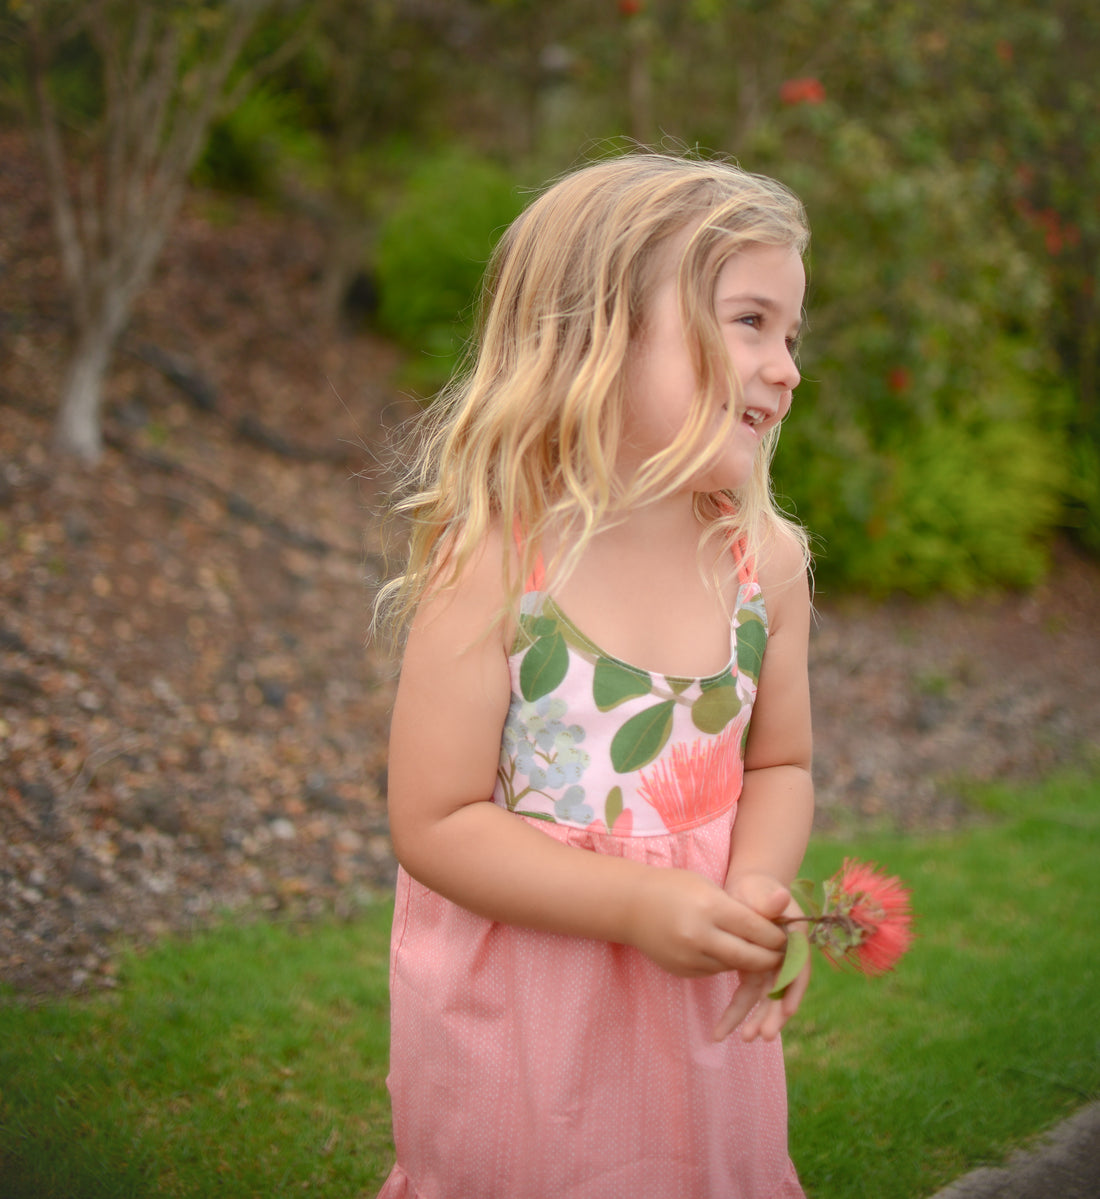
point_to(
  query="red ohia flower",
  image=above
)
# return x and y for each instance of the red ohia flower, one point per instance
(630, 8)
(872, 917)
(899, 380)
(802, 91)
(864, 919)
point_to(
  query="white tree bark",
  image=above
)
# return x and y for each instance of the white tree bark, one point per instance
(78, 429)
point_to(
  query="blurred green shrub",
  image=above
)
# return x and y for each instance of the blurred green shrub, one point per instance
(1083, 506)
(956, 508)
(927, 449)
(247, 148)
(431, 254)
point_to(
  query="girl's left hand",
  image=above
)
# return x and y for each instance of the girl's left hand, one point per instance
(763, 1017)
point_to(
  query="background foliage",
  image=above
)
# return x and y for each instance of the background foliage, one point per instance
(948, 154)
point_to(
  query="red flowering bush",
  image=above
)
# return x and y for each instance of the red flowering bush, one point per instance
(864, 919)
(802, 91)
(899, 380)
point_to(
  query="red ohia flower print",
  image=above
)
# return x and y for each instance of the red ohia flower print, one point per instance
(697, 781)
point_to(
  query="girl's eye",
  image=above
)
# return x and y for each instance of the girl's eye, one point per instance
(753, 320)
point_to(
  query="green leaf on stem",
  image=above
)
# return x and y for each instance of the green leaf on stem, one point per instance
(798, 953)
(803, 891)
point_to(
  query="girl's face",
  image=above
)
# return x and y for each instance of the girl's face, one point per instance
(758, 304)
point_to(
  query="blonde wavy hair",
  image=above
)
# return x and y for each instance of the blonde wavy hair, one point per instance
(528, 436)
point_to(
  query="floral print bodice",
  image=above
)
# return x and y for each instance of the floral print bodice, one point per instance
(594, 742)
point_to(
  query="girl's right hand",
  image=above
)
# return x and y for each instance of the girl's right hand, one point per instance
(691, 927)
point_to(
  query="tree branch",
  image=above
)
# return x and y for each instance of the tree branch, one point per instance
(49, 136)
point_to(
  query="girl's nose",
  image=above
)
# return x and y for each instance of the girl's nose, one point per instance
(783, 371)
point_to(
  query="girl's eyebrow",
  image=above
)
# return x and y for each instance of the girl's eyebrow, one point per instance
(764, 302)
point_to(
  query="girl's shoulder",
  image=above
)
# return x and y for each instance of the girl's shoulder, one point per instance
(469, 590)
(782, 570)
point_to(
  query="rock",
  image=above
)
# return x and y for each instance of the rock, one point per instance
(283, 829)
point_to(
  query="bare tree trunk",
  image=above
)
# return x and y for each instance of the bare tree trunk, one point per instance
(101, 315)
(345, 235)
(351, 36)
(113, 206)
(78, 427)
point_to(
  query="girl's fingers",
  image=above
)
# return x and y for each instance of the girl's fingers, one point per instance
(760, 1016)
(749, 927)
(746, 997)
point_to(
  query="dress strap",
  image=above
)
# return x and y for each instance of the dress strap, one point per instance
(746, 565)
(536, 580)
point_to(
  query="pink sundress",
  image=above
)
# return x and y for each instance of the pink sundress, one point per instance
(528, 1065)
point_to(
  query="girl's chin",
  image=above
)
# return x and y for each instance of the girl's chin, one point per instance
(730, 474)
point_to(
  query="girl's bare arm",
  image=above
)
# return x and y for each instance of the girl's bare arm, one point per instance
(775, 811)
(451, 705)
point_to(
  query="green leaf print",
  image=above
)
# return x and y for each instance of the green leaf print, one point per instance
(716, 707)
(533, 626)
(643, 736)
(541, 626)
(613, 684)
(613, 808)
(543, 667)
(752, 636)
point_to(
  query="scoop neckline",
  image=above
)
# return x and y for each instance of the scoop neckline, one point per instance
(686, 679)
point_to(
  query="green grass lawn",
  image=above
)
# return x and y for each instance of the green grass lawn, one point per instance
(246, 1062)
(251, 1061)
(988, 1032)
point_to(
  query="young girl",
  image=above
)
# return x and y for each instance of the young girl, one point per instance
(595, 843)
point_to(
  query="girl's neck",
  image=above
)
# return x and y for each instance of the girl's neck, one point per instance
(641, 592)
(670, 517)
(662, 534)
